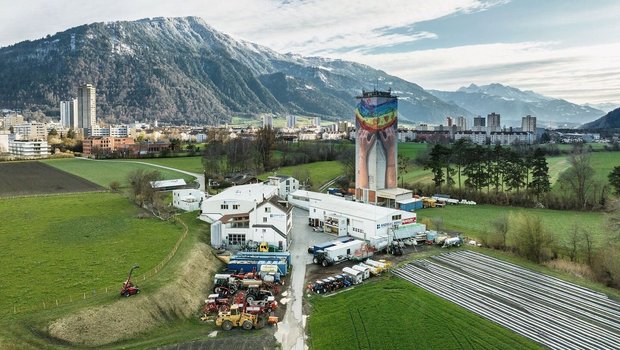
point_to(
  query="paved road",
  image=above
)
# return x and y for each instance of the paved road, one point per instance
(291, 333)
(199, 177)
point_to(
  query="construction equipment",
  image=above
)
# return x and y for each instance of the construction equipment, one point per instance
(263, 247)
(237, 318)
(128, 287)
(253, 293)
(215, 304)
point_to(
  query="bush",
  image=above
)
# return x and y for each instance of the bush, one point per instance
(114, 186)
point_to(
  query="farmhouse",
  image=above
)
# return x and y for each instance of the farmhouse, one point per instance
(245, 213)
(286, 184)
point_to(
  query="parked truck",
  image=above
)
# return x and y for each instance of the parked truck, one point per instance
(337, 253)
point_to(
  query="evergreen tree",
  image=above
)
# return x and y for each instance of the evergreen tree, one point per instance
(540, 174)
(514, 171)
(475, 168)
(614, 179)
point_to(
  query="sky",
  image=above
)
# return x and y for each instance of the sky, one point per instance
(561, 48)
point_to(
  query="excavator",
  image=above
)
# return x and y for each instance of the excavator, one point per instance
(128, 287)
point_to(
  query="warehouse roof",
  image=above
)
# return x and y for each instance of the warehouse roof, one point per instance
(253, 192)
(168, 183)
(354, 209)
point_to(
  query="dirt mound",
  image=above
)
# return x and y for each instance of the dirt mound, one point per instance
(129, 317)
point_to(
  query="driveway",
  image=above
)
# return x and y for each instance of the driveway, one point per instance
(291, 333)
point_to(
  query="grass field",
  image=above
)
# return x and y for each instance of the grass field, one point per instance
(191, 164)
(319, 172)
(393, 314)
(31, 178)
(103, 172)
(63, 246)
(472, 220)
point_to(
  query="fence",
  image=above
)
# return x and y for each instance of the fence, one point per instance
(104, 291)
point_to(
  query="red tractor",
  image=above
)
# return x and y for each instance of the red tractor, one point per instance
(128, 287)
(215, 304)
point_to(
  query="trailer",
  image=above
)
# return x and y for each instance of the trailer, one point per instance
(246, 266)
(338, 253)
(363, 269)
(375, 271)
(357, 276)
(265, 256)
(322, 246)
(379, 265)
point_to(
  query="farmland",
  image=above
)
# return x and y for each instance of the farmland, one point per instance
(104, 172)
(473, 220)
(63, 246)
(28, 178)
(393, 314)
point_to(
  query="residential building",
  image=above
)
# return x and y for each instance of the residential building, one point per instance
(4, 141)
(286, 184)
(113, 130)
(87, 106)
(267, 121)
(477, 137)
(188, 199)
(291, 121)
(69, 113)
(31, 131)
(316, 122)
(528, 124)
(479, 124)
(104, 144)
(494, 122)
(29, 149)
(461, 123)
(449, 121)
(510, 137)
(11, 120)
(246, 213)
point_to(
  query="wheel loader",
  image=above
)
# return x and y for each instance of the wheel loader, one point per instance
(237, 318)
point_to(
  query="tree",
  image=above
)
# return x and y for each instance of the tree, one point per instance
(347, 159)
(578, 178)
(403, 164)
(514, 171)
(141, 191)
(501, 225)
(531, 239)
(71, 134)
(614, 179)
(265, 142)
(475, 168)
(540, 174)
(436, 163)
(460, 150)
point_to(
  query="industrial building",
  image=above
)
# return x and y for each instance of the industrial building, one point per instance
(245, 213)
(188, 199)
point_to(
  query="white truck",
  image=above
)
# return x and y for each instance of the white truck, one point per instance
(338, 253)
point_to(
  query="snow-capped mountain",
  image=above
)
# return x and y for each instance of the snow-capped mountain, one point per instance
(512, 104)
(181, 69)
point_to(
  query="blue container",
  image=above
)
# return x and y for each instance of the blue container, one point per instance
(266, 255)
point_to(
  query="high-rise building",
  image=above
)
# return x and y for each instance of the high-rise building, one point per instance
(69, 113)
(479, 121)
(449, 121)
(376, 144)
(316, 122)
(291, 121)
(528, 123)
(493, 122)
(461, 123)
(267, 121)
(87, 106)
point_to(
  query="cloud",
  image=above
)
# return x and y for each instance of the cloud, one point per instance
(579, 74)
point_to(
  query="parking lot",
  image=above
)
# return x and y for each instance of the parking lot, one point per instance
(555, 313)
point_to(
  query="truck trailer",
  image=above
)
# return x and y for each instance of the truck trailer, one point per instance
(337, 253)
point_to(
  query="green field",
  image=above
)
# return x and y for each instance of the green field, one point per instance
(104, 171)
(472, 220)
(319, 172)
(58, 247)
(390, 313)
(410, 149)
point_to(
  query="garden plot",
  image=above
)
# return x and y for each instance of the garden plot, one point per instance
(557, 314)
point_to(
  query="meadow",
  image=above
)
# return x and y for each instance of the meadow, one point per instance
(474, 220)
(59, 247)
(389, 313)
(191, 164)
(103, 172)
(319, 172)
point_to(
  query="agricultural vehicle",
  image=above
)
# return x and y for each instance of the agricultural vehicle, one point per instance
(452, 242)
(128, 287)
(261, 306)
(395, 248)
(225, 285)
(215, 304)
(236, 318)
(254, 294)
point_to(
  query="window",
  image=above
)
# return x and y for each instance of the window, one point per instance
(235, 206)
(236, 239)
(224, 206)
(288, 182)
(264, 219)
(267, 209)
(396, 217)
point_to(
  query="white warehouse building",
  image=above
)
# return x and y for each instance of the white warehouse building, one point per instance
(187, 199)
(342, 217)
(245, 213)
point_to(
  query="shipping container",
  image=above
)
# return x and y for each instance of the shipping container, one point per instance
(357, 276)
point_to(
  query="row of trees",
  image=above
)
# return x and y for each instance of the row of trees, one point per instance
(500, 169)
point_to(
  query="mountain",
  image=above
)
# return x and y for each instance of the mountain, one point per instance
(605, 107)
(182, 70)
(609, 121)
(512, 104)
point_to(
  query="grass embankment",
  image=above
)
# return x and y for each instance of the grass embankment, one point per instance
(390, 313)
(102, 172)
(473, 220)
(62, 246)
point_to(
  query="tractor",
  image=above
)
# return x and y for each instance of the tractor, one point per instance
(128, 287)
(253, 293)
(215, 304)
(236, 318)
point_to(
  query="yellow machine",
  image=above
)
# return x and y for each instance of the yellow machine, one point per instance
(428, 202)
(236, 318)
(263, 247)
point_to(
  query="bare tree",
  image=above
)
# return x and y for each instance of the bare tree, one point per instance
(532, 241)
(579, 177)
(501, 225)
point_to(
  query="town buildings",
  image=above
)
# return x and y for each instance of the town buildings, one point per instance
(69, 113)
(87, 106)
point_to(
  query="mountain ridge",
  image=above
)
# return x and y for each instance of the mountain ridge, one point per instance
(610, 120)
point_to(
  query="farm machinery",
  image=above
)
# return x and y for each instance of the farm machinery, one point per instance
(237, 318)
(129, 288)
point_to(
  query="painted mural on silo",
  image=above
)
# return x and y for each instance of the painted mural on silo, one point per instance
(376, 122)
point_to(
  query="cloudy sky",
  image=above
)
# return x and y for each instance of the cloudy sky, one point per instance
(562, 48)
